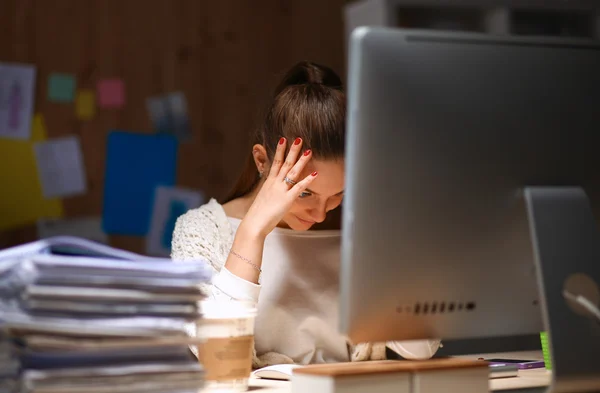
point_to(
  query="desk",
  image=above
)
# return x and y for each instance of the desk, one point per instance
(535, 380)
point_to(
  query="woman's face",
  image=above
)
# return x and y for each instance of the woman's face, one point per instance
(324, 194)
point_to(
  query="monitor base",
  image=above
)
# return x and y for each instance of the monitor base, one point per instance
(566, 244)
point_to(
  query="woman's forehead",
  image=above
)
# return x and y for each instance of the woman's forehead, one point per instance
(330, 180)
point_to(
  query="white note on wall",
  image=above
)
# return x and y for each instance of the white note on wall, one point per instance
(169, 204)
(17, 89)
(60, 167)
(169, 114)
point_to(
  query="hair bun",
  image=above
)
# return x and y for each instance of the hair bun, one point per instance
(308, 73)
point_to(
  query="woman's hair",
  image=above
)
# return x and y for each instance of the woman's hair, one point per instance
(308, 103)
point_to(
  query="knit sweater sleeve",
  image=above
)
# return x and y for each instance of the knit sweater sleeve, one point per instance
(206, 233)
(202, 233)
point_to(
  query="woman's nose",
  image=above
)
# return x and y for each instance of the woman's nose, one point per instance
(318, 213)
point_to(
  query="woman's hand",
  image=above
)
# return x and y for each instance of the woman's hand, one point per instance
(275, 198)
(277, 195)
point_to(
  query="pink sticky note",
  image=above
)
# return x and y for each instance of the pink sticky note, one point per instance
(111, 93)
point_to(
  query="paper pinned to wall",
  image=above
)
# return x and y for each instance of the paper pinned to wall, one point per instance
(60, 167)
(169, 204)
(177, 105)
(85, 104)
(21, 199)
(135, 165)
(84, 227)
(111, 93)
(159, 113)
(61, 87)
(17, 89)
(169, 114)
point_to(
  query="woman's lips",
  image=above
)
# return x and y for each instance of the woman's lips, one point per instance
(305, 221)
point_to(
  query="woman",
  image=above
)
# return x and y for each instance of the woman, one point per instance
(293, 178)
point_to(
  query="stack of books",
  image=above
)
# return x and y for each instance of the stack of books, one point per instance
(76, 316)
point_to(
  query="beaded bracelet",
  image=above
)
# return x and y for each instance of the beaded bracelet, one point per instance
(249, 262)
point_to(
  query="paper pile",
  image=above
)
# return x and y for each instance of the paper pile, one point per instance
(76, 316)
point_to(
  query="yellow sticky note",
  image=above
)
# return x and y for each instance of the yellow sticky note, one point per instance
(21, 200)
(85, 104)
(38, 128)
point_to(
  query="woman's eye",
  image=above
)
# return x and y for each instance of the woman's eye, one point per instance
(305, 194)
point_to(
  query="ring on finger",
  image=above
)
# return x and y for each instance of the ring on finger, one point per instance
(289, 181)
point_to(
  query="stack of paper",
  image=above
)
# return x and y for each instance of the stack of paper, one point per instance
(9, 366)
(76, 316)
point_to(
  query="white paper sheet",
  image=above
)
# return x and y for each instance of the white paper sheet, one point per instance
(177, 104)
(124, 327)
(152, 267)
(17, 89)
(60, 167)
(85, 247)
(169, 114)
(85, 227)
(169, 204)
(158, 112)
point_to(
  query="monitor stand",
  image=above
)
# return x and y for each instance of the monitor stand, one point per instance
(566, 244)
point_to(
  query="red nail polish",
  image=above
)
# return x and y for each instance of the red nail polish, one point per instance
(314, 173)
(307, 152)
(297, 141)
(281, 141)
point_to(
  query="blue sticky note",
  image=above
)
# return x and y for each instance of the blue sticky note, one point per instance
(135, 165)
(61, 87)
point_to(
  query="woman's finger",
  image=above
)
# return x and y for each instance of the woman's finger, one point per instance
(278, 158)
(294, 173)
(291, 158)
(301, 186)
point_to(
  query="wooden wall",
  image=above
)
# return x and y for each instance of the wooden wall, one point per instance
(226, 55)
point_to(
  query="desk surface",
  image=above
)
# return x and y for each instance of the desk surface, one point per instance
(536, 379)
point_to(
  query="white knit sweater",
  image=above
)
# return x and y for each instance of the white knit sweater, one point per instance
(207, 233)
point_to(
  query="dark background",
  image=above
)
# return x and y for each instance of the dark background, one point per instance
(226, 56)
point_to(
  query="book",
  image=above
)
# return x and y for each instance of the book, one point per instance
(404, 376)
(283, 372)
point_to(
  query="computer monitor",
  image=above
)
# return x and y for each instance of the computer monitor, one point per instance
(442, 232)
